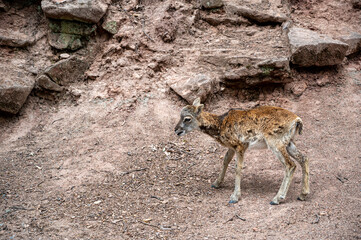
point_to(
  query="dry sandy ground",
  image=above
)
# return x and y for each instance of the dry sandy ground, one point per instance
(109, 166)
(100, 168)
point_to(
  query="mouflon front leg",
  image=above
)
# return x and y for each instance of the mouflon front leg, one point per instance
(237, 183)
(227, 158)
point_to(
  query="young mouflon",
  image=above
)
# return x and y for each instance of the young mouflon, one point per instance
(257, 128)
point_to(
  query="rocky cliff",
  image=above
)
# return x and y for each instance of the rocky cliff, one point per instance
(47, 45)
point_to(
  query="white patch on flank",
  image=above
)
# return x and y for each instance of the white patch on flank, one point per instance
(257, 144)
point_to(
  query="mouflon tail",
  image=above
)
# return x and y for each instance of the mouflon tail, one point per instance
(299, 126)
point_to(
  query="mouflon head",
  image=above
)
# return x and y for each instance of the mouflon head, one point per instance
(188, 118)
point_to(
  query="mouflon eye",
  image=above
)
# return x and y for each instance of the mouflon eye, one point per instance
(187, 119)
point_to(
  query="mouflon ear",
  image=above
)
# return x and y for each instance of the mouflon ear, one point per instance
(198, 105)
(197, 102)
(199, 109)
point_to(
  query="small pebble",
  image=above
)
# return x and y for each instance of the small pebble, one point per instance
(64, 56)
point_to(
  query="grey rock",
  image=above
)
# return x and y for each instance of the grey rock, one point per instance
(275, 70)
(15, 87)
(309, 48)
(80, 10)
(354, 42)
(45, 82)
(209, 4)
(198, 86)
(111, 26)
(261, 16)
(67, 71)
(32, 69)
(113, 20)
(15, 39)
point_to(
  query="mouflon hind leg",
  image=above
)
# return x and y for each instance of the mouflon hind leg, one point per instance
(304, 162)
(290, 167)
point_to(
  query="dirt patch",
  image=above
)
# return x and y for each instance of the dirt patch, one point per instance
(110, 166)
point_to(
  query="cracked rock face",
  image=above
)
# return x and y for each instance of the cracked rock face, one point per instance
(309, 48)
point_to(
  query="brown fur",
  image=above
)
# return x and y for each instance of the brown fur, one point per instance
(239, 130)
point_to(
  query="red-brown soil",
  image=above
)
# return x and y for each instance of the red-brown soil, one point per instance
(109, 166)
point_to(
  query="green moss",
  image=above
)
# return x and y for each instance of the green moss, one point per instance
(111, 27)
(266, 71)
(78, 28)
(71, 27)
(54, 26)
(70, 41)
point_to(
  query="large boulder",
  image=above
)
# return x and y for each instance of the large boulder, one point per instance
(67, 71)
(309, 48)
(80, 10)
(15, 87)
(248, 57)
(256, 71)
(15, 39)
(190, 88)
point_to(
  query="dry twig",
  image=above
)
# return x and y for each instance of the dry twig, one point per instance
(235, 216)
(158, 198)
(341, 179)
(134, 170)
(149, 224)
(143, 29)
